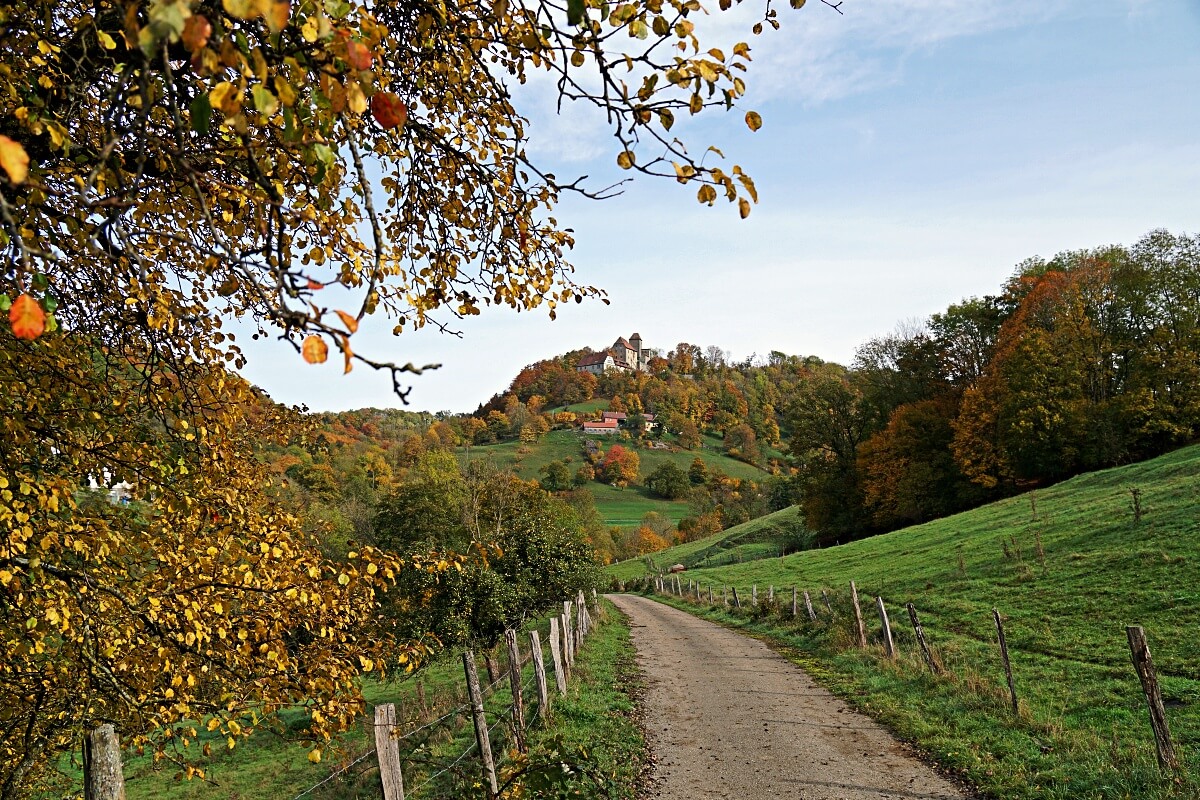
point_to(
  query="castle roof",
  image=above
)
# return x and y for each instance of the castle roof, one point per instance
(622, 343)
(595, 358)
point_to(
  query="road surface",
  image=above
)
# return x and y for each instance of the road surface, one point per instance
(729, 718)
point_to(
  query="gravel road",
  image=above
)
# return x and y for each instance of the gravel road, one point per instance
(729, 718)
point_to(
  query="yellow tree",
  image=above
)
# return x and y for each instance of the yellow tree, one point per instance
(168, 164)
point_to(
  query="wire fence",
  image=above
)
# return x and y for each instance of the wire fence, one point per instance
(434, 755)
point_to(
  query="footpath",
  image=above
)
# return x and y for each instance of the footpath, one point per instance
(729, 718)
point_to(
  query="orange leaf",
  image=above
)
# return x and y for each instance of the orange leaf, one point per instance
(358, 55)
(196, 31)
(314, 350)
(314, 285)
(276, 14)
(14, 160)
(348, 353)
(389, 110)
(27, 318)
(350, 322)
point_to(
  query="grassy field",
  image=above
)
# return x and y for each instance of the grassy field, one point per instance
(592, 729)
(623, 508)
(1069, 568)
(764, 537)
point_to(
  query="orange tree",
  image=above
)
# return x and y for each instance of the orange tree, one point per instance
(168, 164)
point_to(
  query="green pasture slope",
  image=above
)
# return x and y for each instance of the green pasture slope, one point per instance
(1069, 567)
(764, 537)
(622, 508)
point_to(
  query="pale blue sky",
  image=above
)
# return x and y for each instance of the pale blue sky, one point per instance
(913, 152)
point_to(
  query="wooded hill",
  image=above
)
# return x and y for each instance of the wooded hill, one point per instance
(1086, 360)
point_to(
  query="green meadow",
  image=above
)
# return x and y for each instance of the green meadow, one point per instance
(1068, 567)
(621, 507)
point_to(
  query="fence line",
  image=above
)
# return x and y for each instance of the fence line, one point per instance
(102, 762)
(1143, 665)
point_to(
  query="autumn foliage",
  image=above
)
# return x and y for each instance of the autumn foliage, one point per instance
(170, 164)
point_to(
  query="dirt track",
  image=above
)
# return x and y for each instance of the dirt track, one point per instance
(729, 718)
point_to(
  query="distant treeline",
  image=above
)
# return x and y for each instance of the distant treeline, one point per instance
(1082, 361)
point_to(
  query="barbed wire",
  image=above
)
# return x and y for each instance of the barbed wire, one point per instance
(333, 775)
(502, 717)
(442, 771)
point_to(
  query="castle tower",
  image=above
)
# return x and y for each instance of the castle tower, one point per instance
(639, 362)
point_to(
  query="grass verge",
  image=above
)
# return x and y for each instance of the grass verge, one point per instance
(962, 719)
(592, 747)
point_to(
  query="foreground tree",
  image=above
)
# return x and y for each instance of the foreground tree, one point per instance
(169, 164)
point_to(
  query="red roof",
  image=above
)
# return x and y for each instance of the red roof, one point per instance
(594, 358)
(622, 343)
(612, 415)
(607, 424)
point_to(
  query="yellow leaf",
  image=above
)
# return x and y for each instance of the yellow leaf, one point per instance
(744, 207)
(287, 95)
(275, 13)
(226, 97)
(315, 756)
(356, 101)
(626, 159)
(753, 120)
(239, 9)
(14, 159)
(309, 30)
(343, 579)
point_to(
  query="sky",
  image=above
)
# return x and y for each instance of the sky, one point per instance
(912, 153)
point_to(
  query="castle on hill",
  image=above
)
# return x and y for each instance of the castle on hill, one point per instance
(624, 355)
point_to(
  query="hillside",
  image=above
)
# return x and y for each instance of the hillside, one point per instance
(765, 537)
(1069, 567)
(619, 507)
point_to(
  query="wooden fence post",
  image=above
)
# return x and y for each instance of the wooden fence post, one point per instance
(1008, 674)
(1142, 662)
(812, 615)
(725, 592)
(887, 628)
(920, 633)
(480, 719)
(564, 627)
(539, 673)
(102, 773)
(560, 671)
(828, 604)
(771, 593)
(514, 682)
(580, 622)
(858, 620)
(795, 607)
(710, 600)
(754, 594)
(387, 750)
(736, 602)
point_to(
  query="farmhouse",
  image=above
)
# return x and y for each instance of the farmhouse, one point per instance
(624, 355)
(604, 427)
